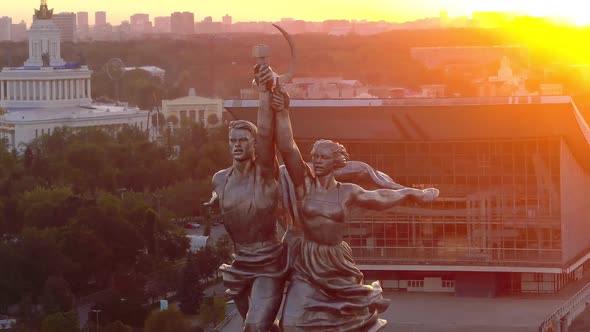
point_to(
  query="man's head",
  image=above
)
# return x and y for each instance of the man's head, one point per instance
(242, 139)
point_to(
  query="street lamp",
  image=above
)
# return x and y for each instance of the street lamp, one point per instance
(122, 192)
(157, 244)
(96, 311)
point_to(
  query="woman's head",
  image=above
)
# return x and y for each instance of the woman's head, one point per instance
(327, 156)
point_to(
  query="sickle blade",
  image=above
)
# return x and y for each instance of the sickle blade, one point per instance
(291, 71)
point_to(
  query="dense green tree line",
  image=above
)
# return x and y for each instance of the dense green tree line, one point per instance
(91, 210)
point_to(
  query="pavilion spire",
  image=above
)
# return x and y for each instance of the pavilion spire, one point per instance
(43, 13)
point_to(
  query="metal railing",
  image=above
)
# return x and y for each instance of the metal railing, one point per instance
(226, 320)
(570, 306)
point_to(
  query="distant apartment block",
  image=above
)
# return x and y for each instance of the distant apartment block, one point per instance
(122, 32)
(162, 24)
(5, 28)
(208, 26)
(182, 23)
(140, 23)
(83, 26)
(66, 22)
(443, 57)
(19, 31)
(82, 18)
(226, 21)
(103, 32)
(100, 18)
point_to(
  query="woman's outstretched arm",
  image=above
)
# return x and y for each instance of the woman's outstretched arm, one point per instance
(382, 199)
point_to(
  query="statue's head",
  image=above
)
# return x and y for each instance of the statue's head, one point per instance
(328, 156)
(242, 139)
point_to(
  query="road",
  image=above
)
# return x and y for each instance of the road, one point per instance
(216, 232)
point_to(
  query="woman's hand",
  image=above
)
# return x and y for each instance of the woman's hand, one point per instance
(429, 194)
(280, 99)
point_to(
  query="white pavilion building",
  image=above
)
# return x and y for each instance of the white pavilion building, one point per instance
(47, 93)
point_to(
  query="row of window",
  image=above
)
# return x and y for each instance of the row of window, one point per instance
(114, 125)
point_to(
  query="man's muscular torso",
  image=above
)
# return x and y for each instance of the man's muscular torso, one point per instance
(248, 204)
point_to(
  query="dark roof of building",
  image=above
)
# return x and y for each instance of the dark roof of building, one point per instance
(449, 119)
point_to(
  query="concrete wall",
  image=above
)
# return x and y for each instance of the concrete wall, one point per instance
(575, 206)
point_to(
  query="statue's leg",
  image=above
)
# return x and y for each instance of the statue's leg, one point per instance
(265, 301)
(242, 302)
(293, 308)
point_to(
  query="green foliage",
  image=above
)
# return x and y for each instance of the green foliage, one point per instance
(207, 261)
(118, 326)
(57, 296)
(180, 197)
(11, 279)
(78, 208)
(224, 249)
(166, 278)
(151, 230)
(170, 320)
(207, 230)
(61, 322)
(190, 291)
(212, 310)
(213, 120)
(44, 207)
(41, 257)
(115, 306)
(141, 89)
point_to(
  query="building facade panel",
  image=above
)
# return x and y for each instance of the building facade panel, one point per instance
(499, 203)
(575, 191)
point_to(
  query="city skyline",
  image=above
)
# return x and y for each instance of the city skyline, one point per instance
(371, 10)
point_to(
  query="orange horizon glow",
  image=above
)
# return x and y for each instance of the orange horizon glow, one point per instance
(572, 11)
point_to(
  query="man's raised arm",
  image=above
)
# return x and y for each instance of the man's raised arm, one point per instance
(265, 149)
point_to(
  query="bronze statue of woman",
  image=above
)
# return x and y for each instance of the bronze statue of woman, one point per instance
(326, 291)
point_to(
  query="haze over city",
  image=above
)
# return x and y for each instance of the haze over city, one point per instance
(267, 10)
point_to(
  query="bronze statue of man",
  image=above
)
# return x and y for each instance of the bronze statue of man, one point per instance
(247, 194)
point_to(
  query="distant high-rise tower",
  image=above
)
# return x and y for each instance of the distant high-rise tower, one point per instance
(226, 21)
(19, 31)
(5, 28)
(66, 22)
(182, 23)
(82, 18)
(140, 23)
(83, 27)
(100, 18)
(162, 24)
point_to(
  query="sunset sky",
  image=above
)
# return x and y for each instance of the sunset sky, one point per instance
(309, 10)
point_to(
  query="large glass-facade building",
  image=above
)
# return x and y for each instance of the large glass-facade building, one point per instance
(514, 180)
